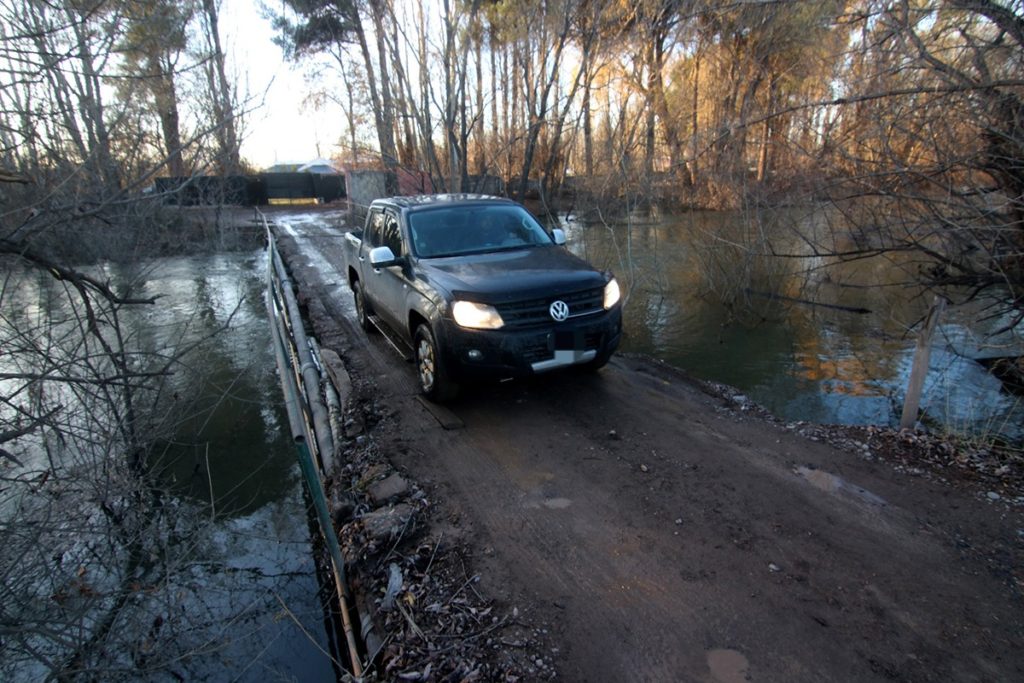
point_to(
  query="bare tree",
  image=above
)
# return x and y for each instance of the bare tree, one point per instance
(224, 108)
(926, 147)
(153, 44)
(315, 25)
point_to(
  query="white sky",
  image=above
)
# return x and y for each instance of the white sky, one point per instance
(281, 129)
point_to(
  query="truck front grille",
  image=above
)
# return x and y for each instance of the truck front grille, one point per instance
(535, 311)
(537, 351)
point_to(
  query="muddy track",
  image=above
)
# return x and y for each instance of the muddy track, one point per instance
(662, 535)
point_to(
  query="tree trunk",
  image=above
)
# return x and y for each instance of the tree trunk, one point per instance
(668, 122)
(478, 127)
(692, 164)
(90, 97)
(221, 93)
(348, 106)
(609, 130)
(450, 105)
(512, 127)
(539, 105)
(165, 96)
(764, 154)
(387, 113)
(385, 133)
(424, 118)
(466, 125)
(404, 103)
(588, 135)
(650, 121)
(494, 101)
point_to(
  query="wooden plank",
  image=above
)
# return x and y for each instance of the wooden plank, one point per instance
(922, 358)
(339, 375)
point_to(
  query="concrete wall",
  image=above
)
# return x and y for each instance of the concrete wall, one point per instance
(363, 187)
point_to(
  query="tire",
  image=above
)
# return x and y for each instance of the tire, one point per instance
(363, 310)
(434, 379)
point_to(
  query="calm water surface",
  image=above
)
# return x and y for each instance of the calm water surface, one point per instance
(696, 287)
(233, 454)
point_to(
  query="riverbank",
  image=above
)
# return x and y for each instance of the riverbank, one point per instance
(989, 469)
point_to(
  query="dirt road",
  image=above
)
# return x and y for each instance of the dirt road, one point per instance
(662, 534)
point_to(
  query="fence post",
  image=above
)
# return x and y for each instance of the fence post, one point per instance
(922, 358)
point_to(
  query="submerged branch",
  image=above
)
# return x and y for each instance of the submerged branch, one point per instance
(808, 302)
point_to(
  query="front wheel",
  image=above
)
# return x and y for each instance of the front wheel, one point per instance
(435, 382)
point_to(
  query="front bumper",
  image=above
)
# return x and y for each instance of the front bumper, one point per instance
(530, 350)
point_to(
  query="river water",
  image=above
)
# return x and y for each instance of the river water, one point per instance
(233, 452)
(698, 298)
(241, 600)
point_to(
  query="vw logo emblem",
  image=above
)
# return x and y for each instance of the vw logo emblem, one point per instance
(559, 310)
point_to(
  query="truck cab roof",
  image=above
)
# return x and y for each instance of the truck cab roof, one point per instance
(433, 201)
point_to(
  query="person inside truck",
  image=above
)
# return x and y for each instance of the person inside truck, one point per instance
(427, 234)
(447, 232)
(499, 229)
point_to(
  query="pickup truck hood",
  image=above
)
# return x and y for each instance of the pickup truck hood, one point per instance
(504, 276)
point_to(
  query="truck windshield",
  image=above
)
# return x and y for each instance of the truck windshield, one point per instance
(455, 231)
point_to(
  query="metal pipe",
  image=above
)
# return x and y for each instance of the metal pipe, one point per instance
(337, 562)
(334, 408)
(307, 368)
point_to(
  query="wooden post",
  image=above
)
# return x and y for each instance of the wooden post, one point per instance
(922, 357)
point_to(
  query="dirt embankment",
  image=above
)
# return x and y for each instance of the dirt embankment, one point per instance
(638, 525)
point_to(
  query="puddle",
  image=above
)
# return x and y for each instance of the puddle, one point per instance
(315, 257)
(830, 483)
(728, 666)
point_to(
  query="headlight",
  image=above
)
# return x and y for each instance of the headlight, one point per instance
(477, 316)
(611, 294)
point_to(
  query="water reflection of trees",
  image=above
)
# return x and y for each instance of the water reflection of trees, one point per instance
(97, 550)
(694, 298)
(224, 438)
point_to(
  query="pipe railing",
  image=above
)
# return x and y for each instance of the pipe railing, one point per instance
(308, 419)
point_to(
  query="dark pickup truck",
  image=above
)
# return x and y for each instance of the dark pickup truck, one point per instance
(476, 287)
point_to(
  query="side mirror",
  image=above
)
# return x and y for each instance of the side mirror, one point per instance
(383, 257)
(558, 235)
